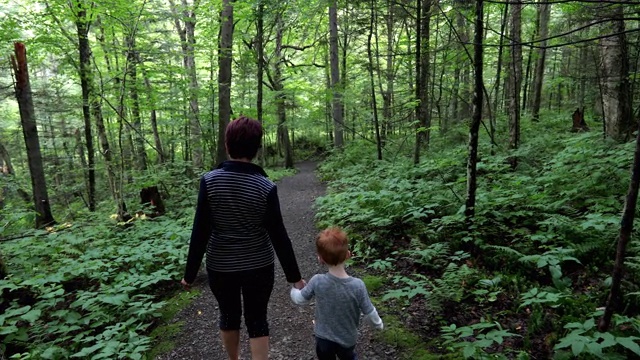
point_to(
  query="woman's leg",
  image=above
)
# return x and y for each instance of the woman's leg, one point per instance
(256, 291)
(226, 289)
(259, 348)
(231, 342)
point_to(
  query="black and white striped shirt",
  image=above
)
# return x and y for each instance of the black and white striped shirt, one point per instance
(238, 223)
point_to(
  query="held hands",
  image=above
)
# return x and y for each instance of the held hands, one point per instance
(300, 284)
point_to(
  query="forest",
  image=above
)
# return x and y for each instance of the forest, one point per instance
(484, 157)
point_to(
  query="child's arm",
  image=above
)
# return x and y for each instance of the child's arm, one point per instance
(370, 313)
(304, 295)
(374, 319)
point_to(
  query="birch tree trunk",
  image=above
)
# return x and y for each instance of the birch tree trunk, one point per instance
(336, 85)
(224, 75)
(30, 132)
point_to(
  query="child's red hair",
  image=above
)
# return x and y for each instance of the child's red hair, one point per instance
(332, 245)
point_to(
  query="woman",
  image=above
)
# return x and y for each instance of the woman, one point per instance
(239, 225)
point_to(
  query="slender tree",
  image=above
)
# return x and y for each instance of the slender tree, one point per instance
(624, 236)
(281, 98)
(185, 23)
(478, 63)
(260, 63)
(336, 85)
(224, 75)
(422, 78)
(515, 77)
(374, 104)
(31, 140)
(84, 70)
(538, 75)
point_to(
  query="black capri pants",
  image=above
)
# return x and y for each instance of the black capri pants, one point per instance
(254, 286)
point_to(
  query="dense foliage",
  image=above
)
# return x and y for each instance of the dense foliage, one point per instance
(91, 288)
(528, 276)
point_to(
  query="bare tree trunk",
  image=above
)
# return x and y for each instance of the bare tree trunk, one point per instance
(30, 132)
(614, 62)
(388, 96)
(545, 14)
(186, 31)
(7, 167)
(374, 104)
(224, 75)
(85, 71)
(470, 202)
(336, 85)
(132, 68)
(153, 119)
(515, 77)
(278, 86)
(626, 228)
(260, 62)
(422, 84)
(500, 50)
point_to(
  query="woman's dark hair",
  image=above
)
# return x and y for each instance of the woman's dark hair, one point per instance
(243, 138)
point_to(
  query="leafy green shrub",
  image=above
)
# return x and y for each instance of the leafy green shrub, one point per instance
(473, 340)
(96, 291)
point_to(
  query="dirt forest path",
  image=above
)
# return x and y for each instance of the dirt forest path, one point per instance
(291, 326)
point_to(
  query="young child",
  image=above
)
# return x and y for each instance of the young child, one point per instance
(340, 299)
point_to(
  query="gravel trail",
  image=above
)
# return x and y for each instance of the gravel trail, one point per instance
(291, 326)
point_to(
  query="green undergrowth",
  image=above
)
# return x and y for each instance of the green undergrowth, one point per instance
(92, 288)
(164, 335)
(528, 276)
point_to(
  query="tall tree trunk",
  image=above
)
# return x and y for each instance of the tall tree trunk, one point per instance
(7, 167)
(374, 104)
(387, 111)
(260, 62)
(132, 67)
(470, 202)
(30, 132)
(224, 75)
(624, 236)
(527, 78)
(336, 85)
(614, 64)
(185, 23)
(278, 86)
(95, 105)
(503, 25)
(85, 73)
(153, 118)
(422, 84)
(515, 77)
(538, 76)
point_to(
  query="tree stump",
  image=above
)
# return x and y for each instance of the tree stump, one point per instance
(579, 124)
(151, 195)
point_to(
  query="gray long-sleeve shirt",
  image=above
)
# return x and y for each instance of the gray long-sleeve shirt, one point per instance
(339, 303)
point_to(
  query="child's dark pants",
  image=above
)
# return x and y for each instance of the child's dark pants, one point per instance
(329, 350)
